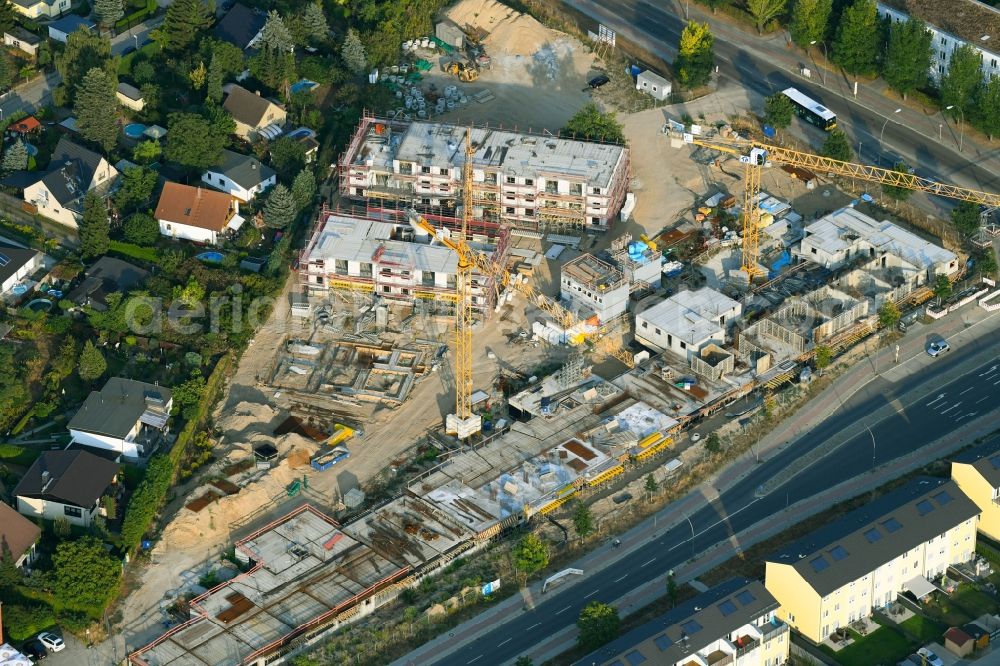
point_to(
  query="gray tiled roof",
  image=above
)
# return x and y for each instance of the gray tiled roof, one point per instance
(702, 620)
(244, 170)
(986, 460)
(71, 170)
(74, 477)
(877, 533)
(240, 25)
(115, 409)
(12, 258)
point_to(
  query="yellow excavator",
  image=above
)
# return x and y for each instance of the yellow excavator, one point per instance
(463, 72)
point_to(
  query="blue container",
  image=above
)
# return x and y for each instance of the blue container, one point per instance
(634, 70)
(769, 131)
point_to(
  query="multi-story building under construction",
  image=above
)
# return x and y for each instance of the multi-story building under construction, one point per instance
(523, 180)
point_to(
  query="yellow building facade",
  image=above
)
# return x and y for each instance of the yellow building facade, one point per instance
(977, 473)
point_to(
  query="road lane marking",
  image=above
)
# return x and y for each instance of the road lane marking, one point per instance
(990, 371)
(474, 660)
(950, 408)
(563, 610)
(676, 545)
(505, 642)
(617, 580)
(534, 625)
(650, 562)
(986, 397)
(967, 390)
(591, 594)
(940, 397)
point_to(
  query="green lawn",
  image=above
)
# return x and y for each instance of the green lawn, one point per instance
(885, 645)
(150, 254)
(925, 629)
(973, 602)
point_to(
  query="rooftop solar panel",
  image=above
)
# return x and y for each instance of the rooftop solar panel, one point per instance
(663, 642)
(691, 627)
(873, 535)
(727, 607)
(634, 658)
(942, 497)
(838, 553)
(891, 525)
(745, 598)
(924, 507)
(819, 563)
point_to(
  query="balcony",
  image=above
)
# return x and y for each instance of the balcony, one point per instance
(719, 658)
(772, 631)
(746, 645)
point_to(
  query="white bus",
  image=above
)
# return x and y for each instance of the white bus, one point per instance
(811, 110)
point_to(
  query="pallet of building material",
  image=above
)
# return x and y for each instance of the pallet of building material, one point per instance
(228, 487)
(484, 96)
(197, 505)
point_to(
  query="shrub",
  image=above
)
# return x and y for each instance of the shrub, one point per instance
(23, 622)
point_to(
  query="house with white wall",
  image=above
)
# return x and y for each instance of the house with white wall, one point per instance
(67, 485)
(73, 171)
(18, 536)
(17, 264)
(687, 321)
(242, 176)
(126, 417)
(591, 287)
(197, 214)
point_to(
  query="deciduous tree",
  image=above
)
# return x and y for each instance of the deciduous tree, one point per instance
(907, 56)
(583, 519)
(142, 229)
(824, 356)
(837, 147)
(856, 45)
(193, 142)
(988, 105)
(287, 157)
(764, 11)
(530, 554)
(94, 227)
(810, 19)
(96, 109)
(695, 55)
(598, 624)
(92, 365)
(85, 575)
(965, 217)
(8, 15)
(146, 152)
(888, 315)
(136, 190)
(198, 76)
(280, 209)
(592, 124)
(353, 53)
(961, 81)
(942, 287)
(899, 192)
(778, 110)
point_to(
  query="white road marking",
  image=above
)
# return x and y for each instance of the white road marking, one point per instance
(950, 408)
(534, 625)
(992, 369)
(967, 390)
(505, 642)
(676, 545)
(563, 610)
(645, 563)
(474, 660)
(618, 580)
(986, 397)
(996, 382)
(940, 397)
(591, 594)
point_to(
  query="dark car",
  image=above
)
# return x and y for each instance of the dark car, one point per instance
(598, 81)
(34, 649)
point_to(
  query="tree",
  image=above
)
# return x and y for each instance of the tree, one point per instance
(695, 55)
(85, 575)
(988, 106)
(598, 624)
(942, 287)
(888, 315)
(288, 156)
(137, 185)
(651, 485)
(198, 76)
(280, 208)
(837, 147)
(524, 661)
(96, 108)
(304, 189)
(898, 192)
(856, 46)
(274, 64)
(961, 81)
(764, 11)
(143, 72)
(810, 19)
(672, 589)
(94, 227)
(7, 72)
(142, 229)
(92, 365)
(583, 519)
(965, 217)
(193, 142)
(213, 81)
(591, 124)
(985, 261)
(84, 51)
(314, 22)
(353, 53)
(182, 25)
(16, 157)
(147, 152)
(8, 15)
(713, 444)
(530, 554)
(824, 356)
(778, 110)
(108, 11)
(907, 56)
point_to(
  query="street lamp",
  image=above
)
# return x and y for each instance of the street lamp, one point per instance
(881, 134)
(136, 39)
(822, 71)
(873, 444)
(686, 517)
(961, 134)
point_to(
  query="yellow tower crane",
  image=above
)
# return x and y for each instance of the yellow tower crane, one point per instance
(754, 155)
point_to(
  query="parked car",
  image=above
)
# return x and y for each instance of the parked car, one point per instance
(51, 642)
(938, 347)
(34, 649)
(931, 658)
(598, 81)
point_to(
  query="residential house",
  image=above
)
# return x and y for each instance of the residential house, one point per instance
(977, 473)
(34, 9)
(519, 179)
(73, 171)
(19, 38)
(687, 321)
(254, 115)
(61, 30)
(242, 176)
(197, 214)
(952, 24)
(130, 97)
(127, 417)
(17, 264)
(843, 571)
(592, 287)
(105, 276)
(310, 146)
(18, 536)
(241, 26)
(734, 622)
(67, 484)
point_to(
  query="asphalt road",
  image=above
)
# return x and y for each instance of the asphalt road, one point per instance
(766, 66)
(922, 411)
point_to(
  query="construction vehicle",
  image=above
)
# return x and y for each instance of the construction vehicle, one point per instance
(461, 71)
(754, 155)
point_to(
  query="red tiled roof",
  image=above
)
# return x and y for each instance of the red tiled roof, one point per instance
(25, 125)
(195, 207)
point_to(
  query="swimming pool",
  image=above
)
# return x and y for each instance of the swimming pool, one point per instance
(303, 85)
(211, 257)
(134, 130)
(39, 304)
(19, 289)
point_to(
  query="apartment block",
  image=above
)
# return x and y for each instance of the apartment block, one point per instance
(593, 288)
(977, 473)
(952, 24)
(687, 321)
(388, 259)
(524, 180)
(841, 572)
(732, 623)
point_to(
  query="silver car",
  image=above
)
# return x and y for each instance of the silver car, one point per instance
(937, 348)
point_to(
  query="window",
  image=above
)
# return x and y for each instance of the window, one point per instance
(73, 511)
(576, 189)
(385, 290)
(595, 220)
(531, 181)
(814, 251)
(683, 345)
(595, 190)
(426, 202)
(511, 180)
(425, 169)
(529, 212)
(658, 332)
(645, 324)
(509, 210)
